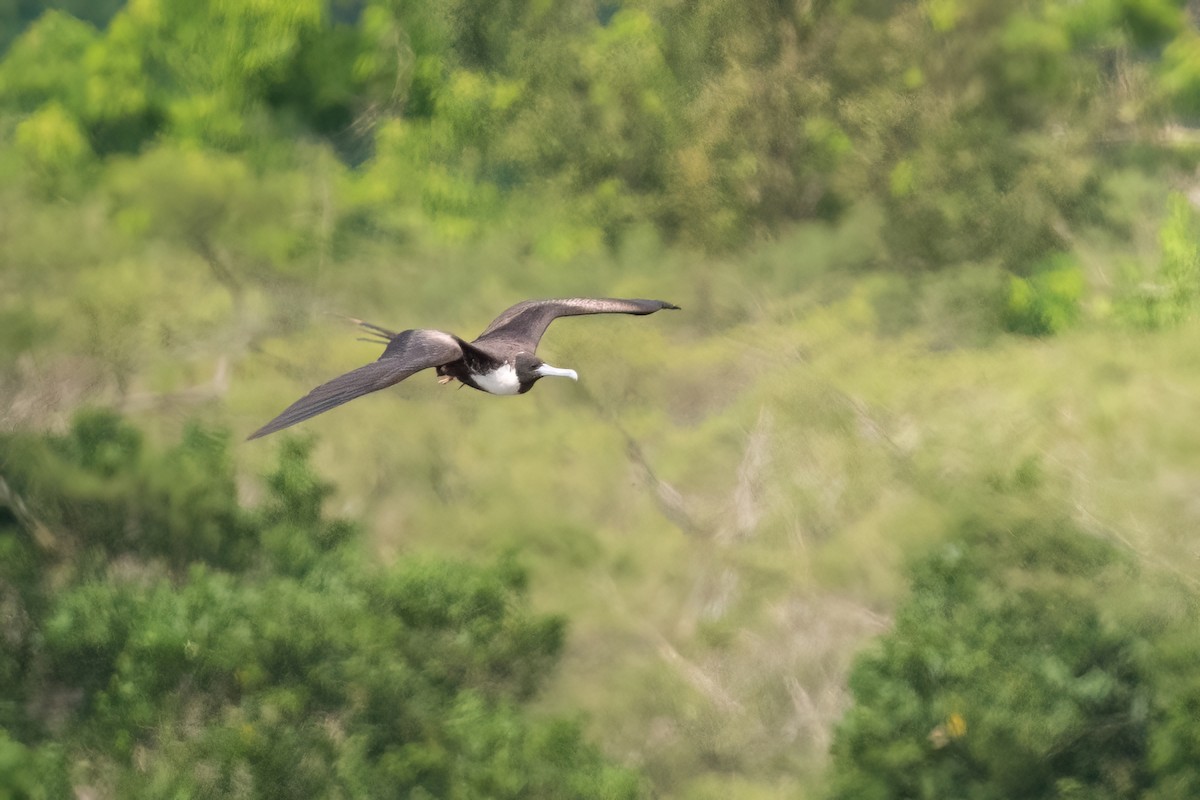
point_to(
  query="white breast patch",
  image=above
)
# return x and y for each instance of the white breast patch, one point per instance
(500, 381)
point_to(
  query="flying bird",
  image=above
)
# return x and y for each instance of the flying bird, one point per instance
(502, 360)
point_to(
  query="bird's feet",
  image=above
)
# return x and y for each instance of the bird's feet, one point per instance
(443, 380)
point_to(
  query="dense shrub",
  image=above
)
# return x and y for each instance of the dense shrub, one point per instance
(1008, 674)
(162, 639)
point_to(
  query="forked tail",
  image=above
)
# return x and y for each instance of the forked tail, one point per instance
(377, 334)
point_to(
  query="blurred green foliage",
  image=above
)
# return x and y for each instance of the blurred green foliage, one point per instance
(1001, 678)
(981, 129)
(163, 639)
(1165, 295)
(1048, 301)
(1011, 672)
(926, 250)
(275, 145)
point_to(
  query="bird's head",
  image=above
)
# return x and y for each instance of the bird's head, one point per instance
(531, 369)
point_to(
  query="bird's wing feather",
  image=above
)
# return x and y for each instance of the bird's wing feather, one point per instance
(527, 321)
(407, 353)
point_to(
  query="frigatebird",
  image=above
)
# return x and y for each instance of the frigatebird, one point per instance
(502, 360)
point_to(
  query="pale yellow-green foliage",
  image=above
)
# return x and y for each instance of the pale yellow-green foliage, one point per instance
(725, 501)
(724, 506)
(53, 145)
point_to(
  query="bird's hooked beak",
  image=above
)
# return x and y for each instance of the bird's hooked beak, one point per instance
(546, 371)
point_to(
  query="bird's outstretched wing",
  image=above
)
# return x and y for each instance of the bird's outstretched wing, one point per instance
(526, 322)
(408, 352)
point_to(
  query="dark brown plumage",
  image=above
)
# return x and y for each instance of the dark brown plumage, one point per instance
(501, 360)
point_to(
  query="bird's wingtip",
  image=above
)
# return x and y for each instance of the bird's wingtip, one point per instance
(270, 427)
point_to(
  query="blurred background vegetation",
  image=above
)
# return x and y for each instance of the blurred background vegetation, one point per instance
(901, 505)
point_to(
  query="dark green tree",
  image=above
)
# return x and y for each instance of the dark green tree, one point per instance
(162, 639)
(1003, 677)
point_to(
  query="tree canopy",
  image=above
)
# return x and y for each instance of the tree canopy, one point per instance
(161, 638)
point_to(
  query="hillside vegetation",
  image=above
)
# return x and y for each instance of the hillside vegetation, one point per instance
(900, 504)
